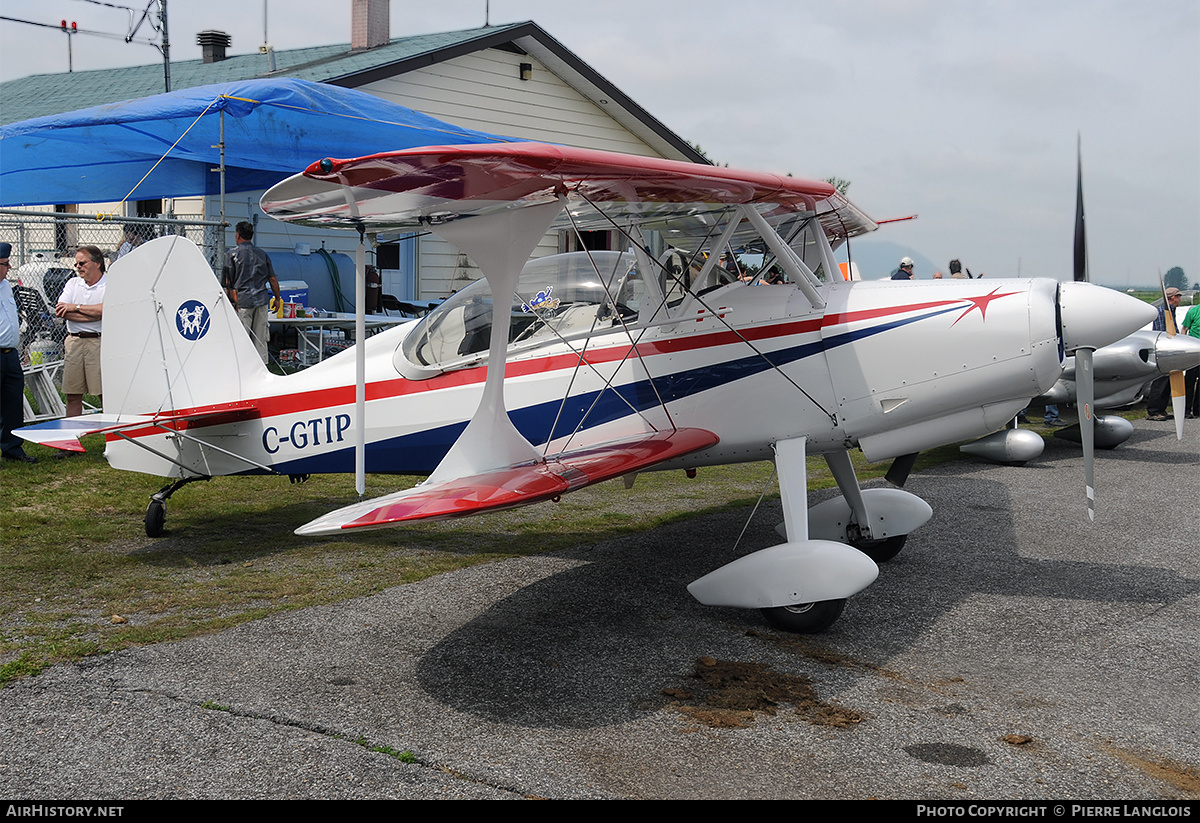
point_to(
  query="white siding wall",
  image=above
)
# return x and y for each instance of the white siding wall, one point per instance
(484, 91)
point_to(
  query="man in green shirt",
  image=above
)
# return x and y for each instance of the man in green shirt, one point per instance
(1191, 378)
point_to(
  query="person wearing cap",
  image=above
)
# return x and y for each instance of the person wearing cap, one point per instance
(1160, 390)
(12, 379)
(905, 271)
(82, 306)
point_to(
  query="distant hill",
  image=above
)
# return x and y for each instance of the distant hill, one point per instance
(877, 259)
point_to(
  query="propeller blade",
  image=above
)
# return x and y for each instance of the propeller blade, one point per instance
(1085, 399)
(1178, 395)
(1081, 267)
(1178, 402)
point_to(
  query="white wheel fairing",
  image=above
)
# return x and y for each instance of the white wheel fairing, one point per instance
(800, 572)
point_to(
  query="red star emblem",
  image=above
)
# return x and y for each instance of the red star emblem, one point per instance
(981, 303)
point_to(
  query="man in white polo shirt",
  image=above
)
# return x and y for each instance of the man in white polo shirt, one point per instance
(82, 306)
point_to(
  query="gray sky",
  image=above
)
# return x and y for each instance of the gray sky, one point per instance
(965, 112)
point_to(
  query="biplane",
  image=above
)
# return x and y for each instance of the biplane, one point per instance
(555, 373)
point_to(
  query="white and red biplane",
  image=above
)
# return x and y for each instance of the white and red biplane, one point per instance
(551, 375)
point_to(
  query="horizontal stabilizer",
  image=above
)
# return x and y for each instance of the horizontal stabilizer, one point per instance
(66, 432)
(514, 486)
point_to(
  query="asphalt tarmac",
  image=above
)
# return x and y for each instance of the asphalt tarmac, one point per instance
(1012, 650)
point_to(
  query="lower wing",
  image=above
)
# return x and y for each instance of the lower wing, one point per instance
(514, 486)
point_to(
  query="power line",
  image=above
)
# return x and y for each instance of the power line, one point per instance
(110, 5)
(73, 30)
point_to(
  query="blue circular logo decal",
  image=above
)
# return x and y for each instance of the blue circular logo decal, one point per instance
(192, 320)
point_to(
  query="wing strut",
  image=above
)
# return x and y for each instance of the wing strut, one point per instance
(608, 383)
(787, 257)
(500, 243)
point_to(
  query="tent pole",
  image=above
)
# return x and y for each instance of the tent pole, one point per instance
(360, 363)
(221, 231)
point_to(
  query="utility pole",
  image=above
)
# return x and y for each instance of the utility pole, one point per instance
(166, 42)
(70, 31)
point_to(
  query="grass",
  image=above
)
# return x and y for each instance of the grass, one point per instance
(81, 578)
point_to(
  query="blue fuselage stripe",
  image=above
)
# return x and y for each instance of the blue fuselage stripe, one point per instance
(420, 452)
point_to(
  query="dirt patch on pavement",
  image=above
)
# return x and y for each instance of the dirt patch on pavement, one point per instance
(731, 694)
(1182, 777)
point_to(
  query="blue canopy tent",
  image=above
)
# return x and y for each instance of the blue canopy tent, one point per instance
(272, 129)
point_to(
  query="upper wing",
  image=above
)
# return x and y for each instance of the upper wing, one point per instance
(436, 184)
(514, 486)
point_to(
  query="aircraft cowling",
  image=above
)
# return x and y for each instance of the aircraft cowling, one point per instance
(1178, 353)
(960, 359)
(1093, 317)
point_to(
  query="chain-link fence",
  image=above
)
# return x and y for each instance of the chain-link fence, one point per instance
(43, 260)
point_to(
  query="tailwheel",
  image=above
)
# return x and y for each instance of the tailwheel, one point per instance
(156, 512)
(156, 516)
(805, 618)
(881, 551)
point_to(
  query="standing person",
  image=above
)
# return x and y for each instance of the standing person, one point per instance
(81, 304)
(12, 379)
(905, 271)
(1191, 377)
(249, 273)
(1160, 389)
(133, 238)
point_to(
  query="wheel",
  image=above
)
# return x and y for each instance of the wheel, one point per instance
(881, 551)
(156, 515)
(805, 618)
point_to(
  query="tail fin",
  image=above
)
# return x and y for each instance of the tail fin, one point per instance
(171, 338)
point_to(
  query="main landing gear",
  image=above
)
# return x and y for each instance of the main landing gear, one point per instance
(831, 551)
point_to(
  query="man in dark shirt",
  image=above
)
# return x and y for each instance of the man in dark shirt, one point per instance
(250, 276)
(905, 272)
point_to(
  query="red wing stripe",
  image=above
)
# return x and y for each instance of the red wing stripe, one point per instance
(522, 485)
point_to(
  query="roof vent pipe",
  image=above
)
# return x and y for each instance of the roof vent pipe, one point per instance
(214, 44)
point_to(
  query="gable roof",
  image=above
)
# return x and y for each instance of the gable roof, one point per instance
(46, 94)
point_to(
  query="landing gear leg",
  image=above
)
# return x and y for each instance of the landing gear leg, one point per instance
(156, 512)
(874, 530)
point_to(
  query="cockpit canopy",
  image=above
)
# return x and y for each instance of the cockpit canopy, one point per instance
(557, 298)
